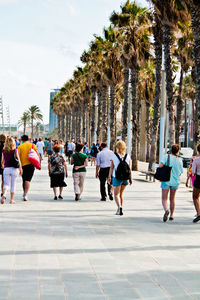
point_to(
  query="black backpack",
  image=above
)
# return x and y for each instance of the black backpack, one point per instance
(123, 171)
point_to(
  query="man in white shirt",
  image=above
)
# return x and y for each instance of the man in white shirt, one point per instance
(71, 148)
(103, 163)
(40, 148)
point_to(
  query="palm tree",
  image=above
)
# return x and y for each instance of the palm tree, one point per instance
(34, 115)
(183, 53)
(157, 34)
(169, 13)
(24, 120)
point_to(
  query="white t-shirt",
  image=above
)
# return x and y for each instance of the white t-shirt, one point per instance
(40, 146)
(71, 147)
(116, 161)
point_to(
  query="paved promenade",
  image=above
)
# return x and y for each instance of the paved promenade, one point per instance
(60, 250)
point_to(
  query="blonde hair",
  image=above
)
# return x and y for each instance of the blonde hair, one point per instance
(9, 144)
(2, 137)
(120, 147)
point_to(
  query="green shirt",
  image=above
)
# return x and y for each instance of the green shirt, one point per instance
(79, 161)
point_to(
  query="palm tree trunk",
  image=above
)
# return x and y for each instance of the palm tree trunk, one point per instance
(134, 154)
(186, 125)
(32, 128)
(70, 125)
(196, 127)
(195, 13)
(125, 105)
(93, 113)
(168, 41)
(180, 107)
(104, 112)
(83, 134)
(148, 131)
(87, 122)
(73, 124)
(113, 133)
(99, 124)
(59, 127)
(24, 128)
(63, 127)
(157, 32)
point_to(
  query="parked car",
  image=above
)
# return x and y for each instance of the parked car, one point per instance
(186, 155)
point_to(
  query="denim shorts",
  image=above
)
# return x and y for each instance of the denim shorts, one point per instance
(164, 186)
(116, 182)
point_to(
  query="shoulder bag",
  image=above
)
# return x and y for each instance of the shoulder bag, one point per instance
(164, 173)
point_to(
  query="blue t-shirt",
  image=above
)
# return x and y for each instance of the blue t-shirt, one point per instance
(177, 169)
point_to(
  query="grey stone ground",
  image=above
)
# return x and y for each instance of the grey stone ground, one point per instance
(56, 250)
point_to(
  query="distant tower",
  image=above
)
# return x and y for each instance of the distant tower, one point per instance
(53, 120)
(1, 113)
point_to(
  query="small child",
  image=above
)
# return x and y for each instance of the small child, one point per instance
(189, 173)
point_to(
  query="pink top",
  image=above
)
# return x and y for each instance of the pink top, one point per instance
(196, 166)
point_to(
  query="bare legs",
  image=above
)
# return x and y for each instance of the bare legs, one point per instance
(60, 190)
(26, 187)
(118, 194)
(171, 199)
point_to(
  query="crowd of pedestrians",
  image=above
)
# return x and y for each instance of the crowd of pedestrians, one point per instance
(113, 169)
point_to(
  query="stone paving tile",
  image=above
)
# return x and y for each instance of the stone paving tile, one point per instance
(64, 250)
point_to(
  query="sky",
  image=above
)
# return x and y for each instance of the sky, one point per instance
(41, 42)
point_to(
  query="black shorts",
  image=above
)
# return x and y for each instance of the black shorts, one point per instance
(28, 171)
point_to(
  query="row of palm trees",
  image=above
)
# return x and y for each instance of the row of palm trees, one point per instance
(126, 64)
(31, 117)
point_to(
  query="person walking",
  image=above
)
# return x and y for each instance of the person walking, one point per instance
(71, 149)
(45, 146)
(120, 158)
(49, 147)
(196, 187)
(10, 173)
(103, 163)
(61, 144)
(93, 154)
(27, 167)
(80, 162)
(40, 148)
(170, 187)
(57, 168)
(2, 142)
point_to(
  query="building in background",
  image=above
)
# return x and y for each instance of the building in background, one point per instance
(53, 120)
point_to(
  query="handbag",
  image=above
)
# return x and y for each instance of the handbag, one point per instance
(14, 160)
(34, 158)
(163, 174)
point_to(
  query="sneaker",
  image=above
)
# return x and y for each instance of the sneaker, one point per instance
(60, 197)
(111, 197)
(55, 198)
(103, 199)
(165, 217)
(25, 198)
(197, 219)
(171, 218)
(120, 211)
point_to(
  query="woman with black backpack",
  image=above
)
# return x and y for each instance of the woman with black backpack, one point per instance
(120, 173)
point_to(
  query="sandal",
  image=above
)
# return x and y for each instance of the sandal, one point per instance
(12, 202)
(165, 217)
(3, 198)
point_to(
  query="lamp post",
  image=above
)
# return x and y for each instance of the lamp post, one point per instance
(129, 131)
(162, 110)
